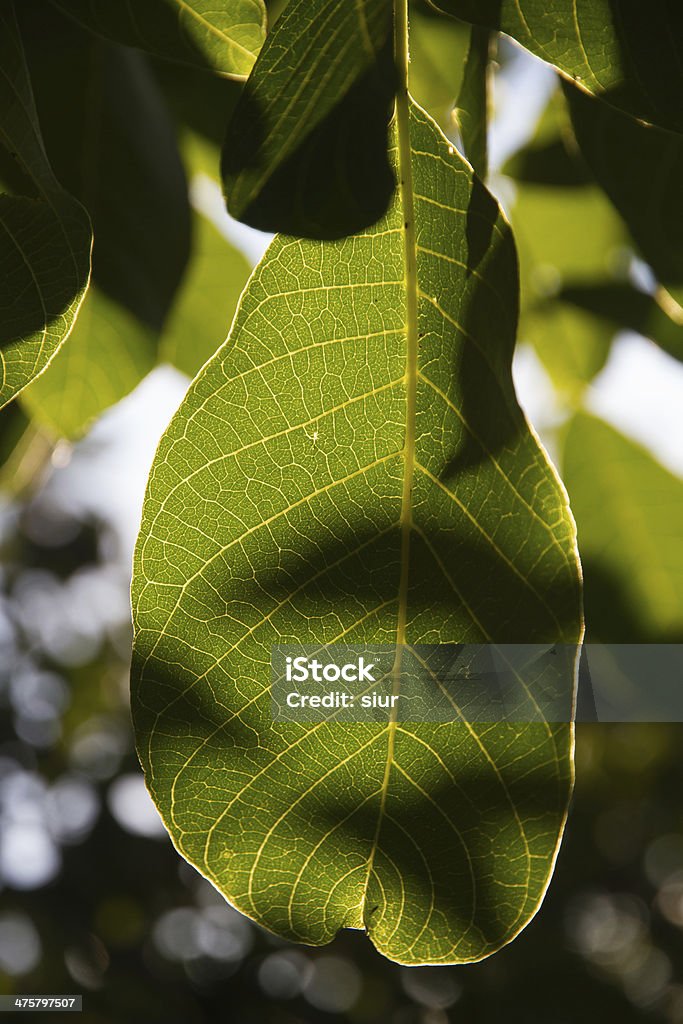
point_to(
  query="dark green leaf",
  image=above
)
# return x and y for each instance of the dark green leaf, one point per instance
(45, 234)
(353, 463)
(627, 308)
(306, 148)
(112, 145)
(219, 35)
(641, 170)
(627, 53)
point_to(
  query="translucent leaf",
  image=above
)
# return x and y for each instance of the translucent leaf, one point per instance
(353, 464)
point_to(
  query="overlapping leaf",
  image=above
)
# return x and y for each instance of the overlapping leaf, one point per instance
(311, 124)
(629, 54)
(113, 145)
(220, 35)
(353, 464)
(45, 234)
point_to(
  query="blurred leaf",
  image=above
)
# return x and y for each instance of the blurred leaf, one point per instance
(113, 145)
(567, 236)
(305, 151)
(472, 105)
(625, 307)
(201, 315)
(566, 233)
(629, 515)
(437, 58)
(219, 35)
(641, 169)
(353, 463)
(629, 55)
(45, 233)
(202, 104)
(572, 344)
(547, 161)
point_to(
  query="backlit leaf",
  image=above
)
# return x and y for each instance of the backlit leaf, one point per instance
(353, 464)
(472, 106)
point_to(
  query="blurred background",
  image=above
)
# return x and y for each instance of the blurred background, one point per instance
(93, 898)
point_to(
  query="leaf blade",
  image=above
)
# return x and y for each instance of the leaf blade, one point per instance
(306, 543)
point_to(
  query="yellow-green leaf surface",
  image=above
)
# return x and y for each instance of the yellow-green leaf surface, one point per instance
(629, 54)
(45, 235)
(629, 515)
(220, 35)
(353, 465)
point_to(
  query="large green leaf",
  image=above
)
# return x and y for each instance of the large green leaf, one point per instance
(311, 124)
(628, 514)
(629, 54)
(641, 169)
(112, 144)
(45, 235)
(220, 35)
(353, 464)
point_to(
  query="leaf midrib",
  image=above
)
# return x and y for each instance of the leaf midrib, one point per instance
(405, 185)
